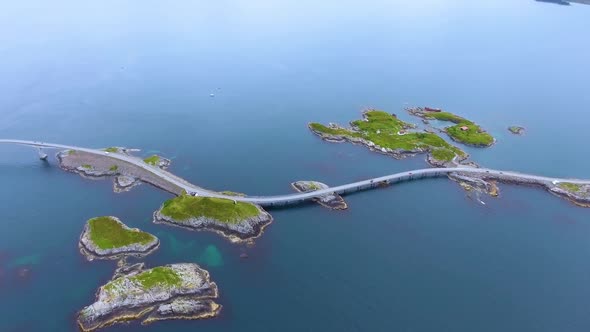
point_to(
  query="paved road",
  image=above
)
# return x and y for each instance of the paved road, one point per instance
(299, 197)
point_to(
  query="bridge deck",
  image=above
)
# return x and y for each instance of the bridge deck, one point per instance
(299, 197)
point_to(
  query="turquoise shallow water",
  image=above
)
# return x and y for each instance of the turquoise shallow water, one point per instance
(413, 257)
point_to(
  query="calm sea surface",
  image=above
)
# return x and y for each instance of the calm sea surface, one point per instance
(414, 257)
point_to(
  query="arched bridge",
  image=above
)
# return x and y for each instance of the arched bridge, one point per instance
(294, 198)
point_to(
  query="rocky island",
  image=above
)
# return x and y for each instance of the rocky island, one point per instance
(331, 201)
(238, 221)
(385, 133)
(470, 183)
(109, 238)
(176, 291)
(463, 131)
(126, 175)
(516, 130)
(578, 194)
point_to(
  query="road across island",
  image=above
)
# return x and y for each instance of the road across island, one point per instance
(295, 198)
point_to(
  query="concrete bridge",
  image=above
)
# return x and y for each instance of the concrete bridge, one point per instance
(294, 198)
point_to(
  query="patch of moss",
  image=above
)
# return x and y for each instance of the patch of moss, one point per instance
(87, 166)
(474, 135)
(152, 160)
(114, 168)
(443, 154)
(108, 233)
(446, 116)
(112, 149)
(333, 131)
(224, 210)
(232, 193)
(158, 276)
(569, 186)
(313, 186)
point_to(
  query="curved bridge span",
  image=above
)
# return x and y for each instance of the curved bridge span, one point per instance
(295, 198)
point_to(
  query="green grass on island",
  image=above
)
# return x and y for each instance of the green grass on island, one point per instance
(114, 168)
(569, 186)
(224, 210)
(158, 276)
(313, 186)
(383, 129)
(112, 149)
(232, 193)
(86, 166)
(443, 154)
(107, 233)
(152, 160)
(474, 135)
(516, 129)
(161, 276)
(446, 116)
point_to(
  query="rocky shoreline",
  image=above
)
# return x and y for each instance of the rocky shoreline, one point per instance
(175, 291)
(331, 201)
(473, 183)
(580, 197)
(92, 251)
(124, 183)
(244, 231)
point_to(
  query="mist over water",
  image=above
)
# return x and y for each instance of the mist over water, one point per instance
(416, 256)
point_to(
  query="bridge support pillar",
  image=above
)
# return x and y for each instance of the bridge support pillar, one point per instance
(42, 155)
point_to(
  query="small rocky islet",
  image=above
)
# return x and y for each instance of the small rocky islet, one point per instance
(175, 291)
(109, 238)
(235, 220)
(516, 130)
(331, 201)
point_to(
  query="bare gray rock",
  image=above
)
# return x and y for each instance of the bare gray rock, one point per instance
(331, 201)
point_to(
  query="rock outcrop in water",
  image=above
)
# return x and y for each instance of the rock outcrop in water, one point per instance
(516, 130)
(110, 238)
(237, 221)
(331, 201)
(176, 291)
(124, 183)
(470, 183)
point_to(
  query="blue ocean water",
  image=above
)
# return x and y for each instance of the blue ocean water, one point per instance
(413, 257)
